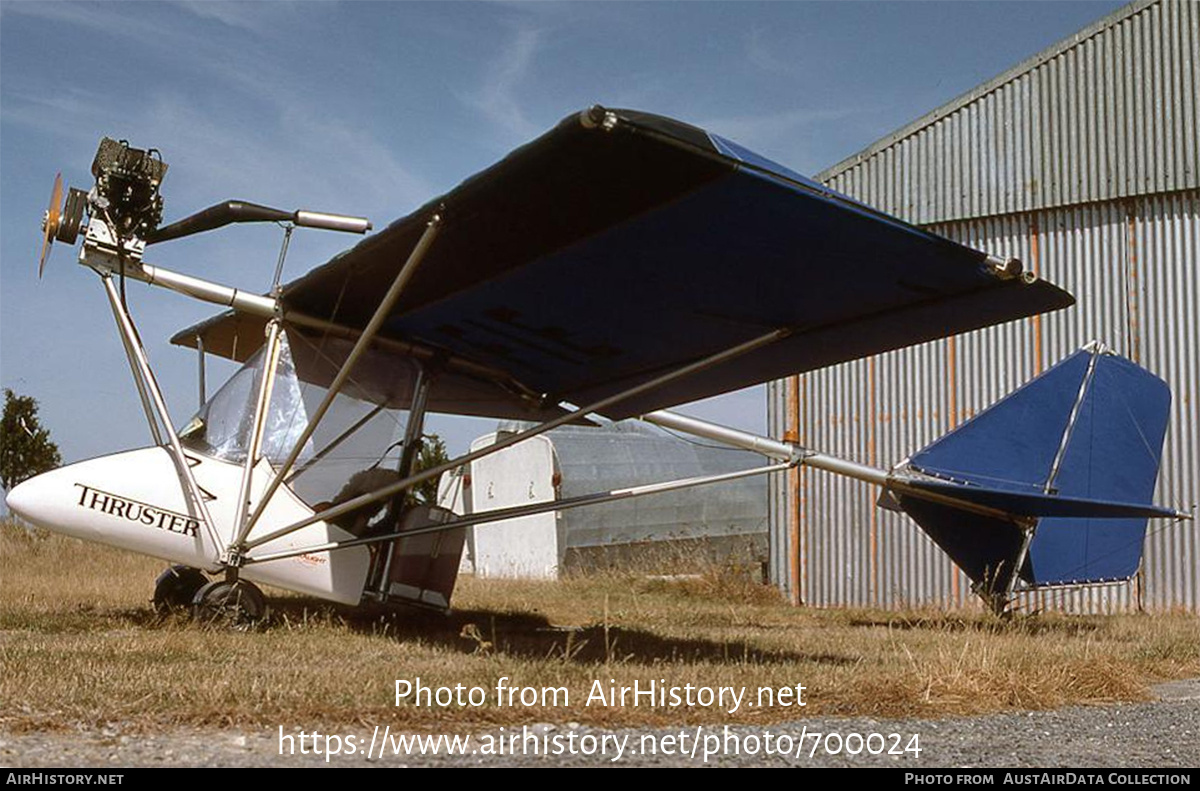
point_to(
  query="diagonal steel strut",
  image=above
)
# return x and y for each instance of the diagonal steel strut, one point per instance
(364, 340)
(541, 428)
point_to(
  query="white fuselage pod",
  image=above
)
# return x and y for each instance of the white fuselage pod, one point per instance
(135, 500)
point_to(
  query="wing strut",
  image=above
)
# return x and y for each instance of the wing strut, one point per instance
(533, 509)
(597, 406)
(364, 340)
(152, 395)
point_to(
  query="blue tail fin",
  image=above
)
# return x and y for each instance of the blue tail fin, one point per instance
(1074, 454)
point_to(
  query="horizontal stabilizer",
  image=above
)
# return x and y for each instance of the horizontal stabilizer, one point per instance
(1029, 504)
(1073, 455)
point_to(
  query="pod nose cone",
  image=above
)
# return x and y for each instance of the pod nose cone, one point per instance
(27, 500)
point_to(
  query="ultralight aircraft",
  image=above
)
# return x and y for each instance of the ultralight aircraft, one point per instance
(617, 265)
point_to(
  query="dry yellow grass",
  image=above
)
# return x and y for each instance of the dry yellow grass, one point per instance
(80, 644)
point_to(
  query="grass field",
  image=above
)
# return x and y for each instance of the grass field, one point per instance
(80, 645)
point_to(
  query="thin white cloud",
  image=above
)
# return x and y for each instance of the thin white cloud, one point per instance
(759, 54)
(304, 157)
(250, 133)
(769, 127)
(498, 97)
(108, 18)
(60, 113)
(255, 17)
(217, 58)
(142, 22)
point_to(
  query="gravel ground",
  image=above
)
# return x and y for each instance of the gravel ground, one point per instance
(1162, 734)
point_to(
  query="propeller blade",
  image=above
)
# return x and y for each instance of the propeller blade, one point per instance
(50, 222)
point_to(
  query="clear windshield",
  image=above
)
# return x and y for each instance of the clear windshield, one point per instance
(223, 425)
(356, 437)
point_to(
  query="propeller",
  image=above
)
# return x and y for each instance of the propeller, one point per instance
(51, 221)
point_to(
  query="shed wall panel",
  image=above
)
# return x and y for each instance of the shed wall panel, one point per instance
(1133, 267)
(1108, 116)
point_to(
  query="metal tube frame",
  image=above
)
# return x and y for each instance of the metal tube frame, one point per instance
(141, 364)
(338, 440)
(412, 435)
(270, 307)
(1097, 350)
(1028, 530)
(283, 248)
(450, 363)
(892, 481)
(147, 406)
(153, 404)
(411, 480)
(205, 290)
(261, 405)
(528, 510)
(729, 436)
(360, 346)
(200, 373)
(415, 426)
(769, 447)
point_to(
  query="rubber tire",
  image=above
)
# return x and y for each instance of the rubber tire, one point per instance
(234, 605)
(176, 587)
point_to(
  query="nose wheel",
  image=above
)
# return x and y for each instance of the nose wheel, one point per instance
(176, 587)
(235, 604)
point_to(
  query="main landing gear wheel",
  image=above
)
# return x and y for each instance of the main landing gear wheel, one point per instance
(176, 587)
(238, 604)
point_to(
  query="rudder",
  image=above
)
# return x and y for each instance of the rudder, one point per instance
(1071, 459)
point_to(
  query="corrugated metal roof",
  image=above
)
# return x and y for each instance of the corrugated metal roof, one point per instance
(1110, 112)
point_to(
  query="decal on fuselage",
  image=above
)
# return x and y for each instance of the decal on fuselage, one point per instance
(135, 511)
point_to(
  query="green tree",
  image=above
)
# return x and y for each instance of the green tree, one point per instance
(432, 454)
(25, 447)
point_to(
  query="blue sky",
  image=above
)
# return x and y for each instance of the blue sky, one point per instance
(372, 108)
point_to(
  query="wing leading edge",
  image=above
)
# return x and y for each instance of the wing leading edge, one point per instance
(620, 245)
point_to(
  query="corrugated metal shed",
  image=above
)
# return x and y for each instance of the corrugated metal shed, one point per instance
(1108, 113)
(1081, 161)
(629, 453)
(718, 521)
